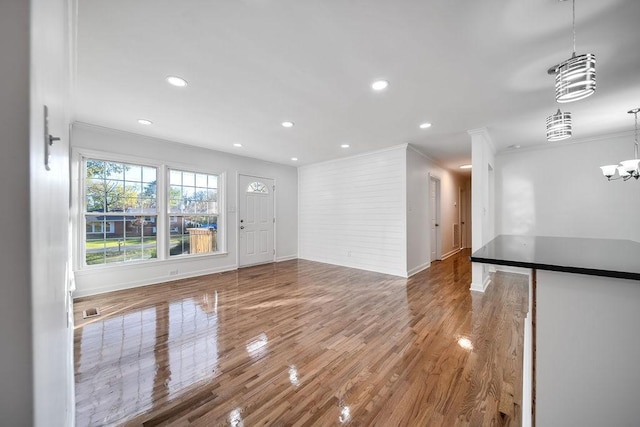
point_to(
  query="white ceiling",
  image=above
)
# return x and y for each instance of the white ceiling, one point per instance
(252, 64)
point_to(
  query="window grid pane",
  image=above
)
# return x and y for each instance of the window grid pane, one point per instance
(193, 213)
(126, 196)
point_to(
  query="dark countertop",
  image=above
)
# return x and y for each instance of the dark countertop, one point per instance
(596, 257)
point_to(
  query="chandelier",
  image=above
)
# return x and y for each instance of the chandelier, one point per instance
(627, 169)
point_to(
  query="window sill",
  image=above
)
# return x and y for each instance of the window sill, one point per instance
(176, 259)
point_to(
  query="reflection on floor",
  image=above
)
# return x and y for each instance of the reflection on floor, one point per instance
(304, 343)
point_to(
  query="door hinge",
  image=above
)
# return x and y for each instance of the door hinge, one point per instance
(274, 251)
(274, 220)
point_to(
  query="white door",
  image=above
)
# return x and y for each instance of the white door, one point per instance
(255, 220)
(434, 199)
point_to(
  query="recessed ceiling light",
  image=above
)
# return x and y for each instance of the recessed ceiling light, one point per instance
(288, 124)
(344, 146)
(237, 145)
(176, 81)
(379, 85)
(294, 159)
(465, 167)
(145, 122)
(425, 125)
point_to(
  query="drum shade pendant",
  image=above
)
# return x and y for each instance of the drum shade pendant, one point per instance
(575, 77)
(559, 126)
(627, 169)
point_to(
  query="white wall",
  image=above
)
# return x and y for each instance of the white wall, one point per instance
(352, 211)
(103, 279)
(16, 388)
(419, 170)
(560, 191)
(36, 385)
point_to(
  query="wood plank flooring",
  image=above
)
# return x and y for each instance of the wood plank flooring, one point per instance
(302, 343)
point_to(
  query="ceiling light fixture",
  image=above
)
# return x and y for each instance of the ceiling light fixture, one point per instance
(176, 81)
(237, 145)
(627, 169)
(145, 122)
(465, 167)
(380, 85)
(575, 77)
(425, 125)
(559, 126)
(294, 159)
(287, 124)
(345, 146)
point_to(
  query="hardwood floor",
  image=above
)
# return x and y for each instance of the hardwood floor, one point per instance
(304, 343)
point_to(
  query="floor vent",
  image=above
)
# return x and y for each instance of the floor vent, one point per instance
(90, 312)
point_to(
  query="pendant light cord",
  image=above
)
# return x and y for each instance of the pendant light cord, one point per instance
(574, 27)
(635, 147)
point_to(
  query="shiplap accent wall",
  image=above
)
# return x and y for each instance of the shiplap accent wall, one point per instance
(352, 211)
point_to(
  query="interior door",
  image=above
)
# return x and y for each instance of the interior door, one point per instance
(434, 199)
(255, 220)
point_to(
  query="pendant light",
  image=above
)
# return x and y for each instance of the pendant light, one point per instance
(575, 77)
(559, 126)
(627, 169)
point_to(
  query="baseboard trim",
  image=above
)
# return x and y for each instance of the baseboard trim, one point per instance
(286, 258)
(418, 269)
(514, 270)
(79, 293)
(476, 287)
(381, 271)
(450, 254)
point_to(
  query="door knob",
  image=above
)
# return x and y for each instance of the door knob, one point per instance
(242, 220)
(242, 227)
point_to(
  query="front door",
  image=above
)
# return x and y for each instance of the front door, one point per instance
(256, 220)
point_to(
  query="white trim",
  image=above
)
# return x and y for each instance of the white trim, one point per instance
(155, 139)
(368, 153)
(151, 281)
(513, 270)
(546, 146)
(286, 258)
(392, 272)
(450, 254)
(435, 163)
(481, 287)
(418, 269)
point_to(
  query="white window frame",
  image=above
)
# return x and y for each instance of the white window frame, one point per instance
(78, 225)
(81, 226)
(221, 246)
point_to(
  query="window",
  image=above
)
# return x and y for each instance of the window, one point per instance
(193, 213)
(119, 212)
(97, 227)
(257, 187)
